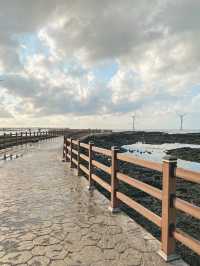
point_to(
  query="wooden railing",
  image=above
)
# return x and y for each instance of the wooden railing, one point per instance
(170, 202)
(19, 138)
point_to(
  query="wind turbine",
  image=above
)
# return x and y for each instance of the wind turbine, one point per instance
(133, 117)
(181, 116)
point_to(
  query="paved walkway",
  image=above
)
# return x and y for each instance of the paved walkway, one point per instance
(47, 217)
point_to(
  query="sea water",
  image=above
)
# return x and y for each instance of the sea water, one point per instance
(156, 153)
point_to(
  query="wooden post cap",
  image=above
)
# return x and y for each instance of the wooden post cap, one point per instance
(169, 158)
(115, 148)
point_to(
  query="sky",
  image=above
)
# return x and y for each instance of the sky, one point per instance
(94, 64)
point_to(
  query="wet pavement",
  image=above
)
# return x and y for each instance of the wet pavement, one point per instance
(48, 217)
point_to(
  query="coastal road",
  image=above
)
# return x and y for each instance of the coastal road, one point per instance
(48, 217)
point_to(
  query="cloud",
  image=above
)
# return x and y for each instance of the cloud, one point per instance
(52, 54)
(4, 113)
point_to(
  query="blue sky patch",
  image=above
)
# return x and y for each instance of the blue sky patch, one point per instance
(32, 45)
(105, 71)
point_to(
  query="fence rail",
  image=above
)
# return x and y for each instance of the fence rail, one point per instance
(8, 140)
(170, 203)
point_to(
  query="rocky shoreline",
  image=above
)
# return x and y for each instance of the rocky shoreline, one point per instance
(185, 190)
(126, 138)
(187, 154)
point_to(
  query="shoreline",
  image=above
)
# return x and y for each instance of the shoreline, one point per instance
(120, 139)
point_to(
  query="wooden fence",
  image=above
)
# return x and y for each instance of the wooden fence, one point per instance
(20, 138)
(170, 203)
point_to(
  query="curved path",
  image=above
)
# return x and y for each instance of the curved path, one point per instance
(48, 217)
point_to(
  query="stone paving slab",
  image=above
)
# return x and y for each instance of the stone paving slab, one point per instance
(48, 217)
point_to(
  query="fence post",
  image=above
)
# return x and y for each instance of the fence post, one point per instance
(11, 139)
(4, 140)
(21, 138)
(64, 150)
(78, 158)
(16, 138)
(71, 154)
(91, 183)
(114, 204)
(168, 243)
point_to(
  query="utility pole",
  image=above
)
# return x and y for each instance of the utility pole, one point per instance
(181, 116)
(133, 117)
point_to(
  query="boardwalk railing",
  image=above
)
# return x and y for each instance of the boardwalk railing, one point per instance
(19, 138)
(170, 202)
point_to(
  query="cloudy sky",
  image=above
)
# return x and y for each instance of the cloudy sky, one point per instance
(92, 63)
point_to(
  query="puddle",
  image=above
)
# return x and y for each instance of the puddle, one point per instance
(157, 152)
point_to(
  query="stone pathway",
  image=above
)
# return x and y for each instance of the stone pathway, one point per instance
(48, 217)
